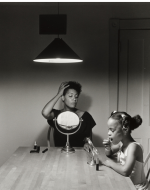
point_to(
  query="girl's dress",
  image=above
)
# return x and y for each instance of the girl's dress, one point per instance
(137, 176)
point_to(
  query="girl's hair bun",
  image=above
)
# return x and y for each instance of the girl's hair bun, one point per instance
(136, 121)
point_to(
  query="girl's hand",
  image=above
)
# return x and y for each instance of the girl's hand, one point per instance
(107, 144)
(62, 87)
(107, 163)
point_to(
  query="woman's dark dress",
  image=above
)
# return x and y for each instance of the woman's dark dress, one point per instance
(77, 139)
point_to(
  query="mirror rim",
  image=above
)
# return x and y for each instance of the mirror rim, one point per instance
(68, 127)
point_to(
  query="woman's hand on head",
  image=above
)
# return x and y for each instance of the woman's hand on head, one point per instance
(62, 87)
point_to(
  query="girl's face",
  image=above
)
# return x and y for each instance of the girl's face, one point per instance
(115, 132)
(70, 98)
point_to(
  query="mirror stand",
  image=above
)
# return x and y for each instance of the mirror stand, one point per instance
(75, 124)
(68, 149)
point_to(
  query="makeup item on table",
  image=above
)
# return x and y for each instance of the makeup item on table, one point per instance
(36, 148)
(45, 150)
(33, 151)
(97, 164)
(35, 145)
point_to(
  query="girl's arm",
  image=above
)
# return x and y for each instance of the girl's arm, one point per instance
(47, 110)
(127, 168)
(110, 148)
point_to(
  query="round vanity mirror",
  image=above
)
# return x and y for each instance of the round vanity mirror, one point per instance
(68, 120)
(68, 123)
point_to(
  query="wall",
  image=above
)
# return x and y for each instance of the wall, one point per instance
(25, 86)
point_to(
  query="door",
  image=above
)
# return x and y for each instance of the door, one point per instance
(133, 80)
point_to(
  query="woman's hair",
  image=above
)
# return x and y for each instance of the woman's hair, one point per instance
(73, 85)
(126, 120)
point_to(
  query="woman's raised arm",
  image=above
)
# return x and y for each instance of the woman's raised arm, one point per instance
(47, 110)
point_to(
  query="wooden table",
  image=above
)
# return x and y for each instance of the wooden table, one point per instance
(54, 170)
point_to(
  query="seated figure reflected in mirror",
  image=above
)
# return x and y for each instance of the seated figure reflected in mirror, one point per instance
(69, 93)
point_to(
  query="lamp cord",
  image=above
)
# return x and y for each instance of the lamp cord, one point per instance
(59, 19)
(58, 8)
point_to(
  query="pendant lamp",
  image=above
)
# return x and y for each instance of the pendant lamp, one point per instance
(58, 52)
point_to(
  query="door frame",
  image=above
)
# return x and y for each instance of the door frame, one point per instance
(115, 25)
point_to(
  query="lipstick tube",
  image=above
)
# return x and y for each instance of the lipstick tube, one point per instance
(35, 145)
(97, 164)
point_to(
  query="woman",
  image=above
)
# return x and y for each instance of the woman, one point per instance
(69, 93)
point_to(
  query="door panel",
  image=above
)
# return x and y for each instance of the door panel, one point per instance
(134, 61)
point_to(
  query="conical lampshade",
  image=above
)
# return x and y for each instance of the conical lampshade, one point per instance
(58, 52)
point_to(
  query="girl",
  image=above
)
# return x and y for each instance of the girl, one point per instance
(69, 93)
(129, 152)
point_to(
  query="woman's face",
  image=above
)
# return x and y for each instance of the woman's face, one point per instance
(115, 132)
(71, 98)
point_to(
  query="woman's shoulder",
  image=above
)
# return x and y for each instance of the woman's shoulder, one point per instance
(56, 110)
(86, 116)
(55, 113)
(80, 113)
